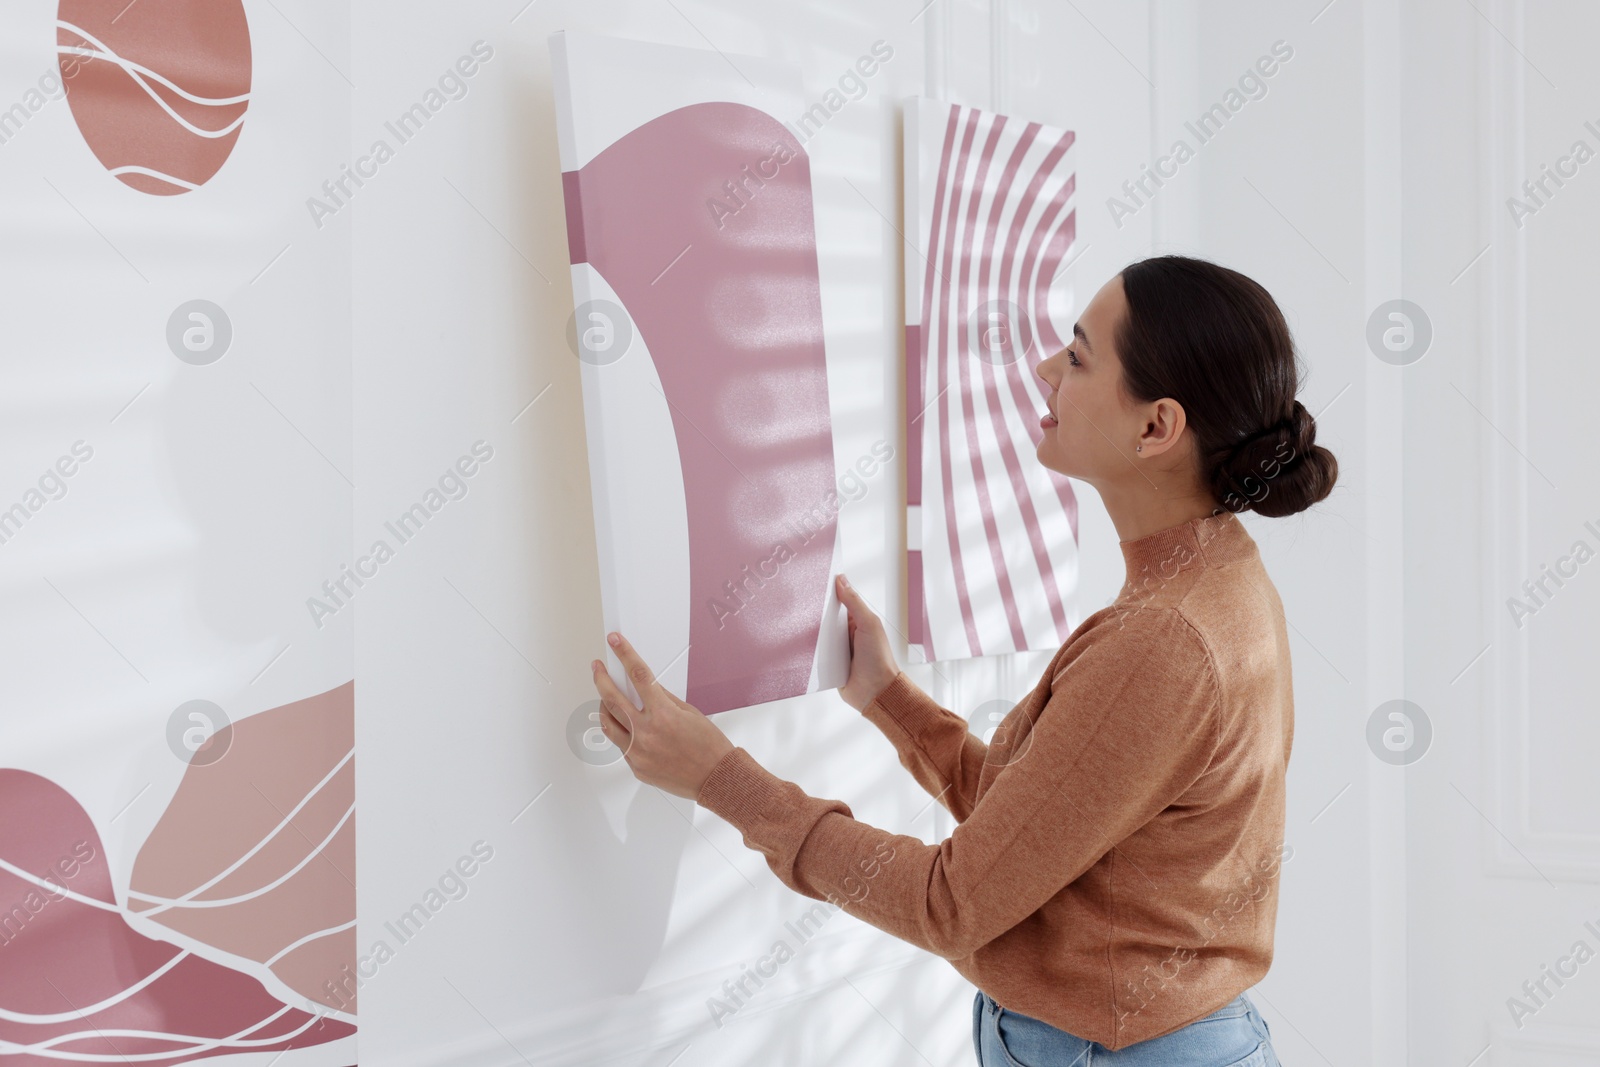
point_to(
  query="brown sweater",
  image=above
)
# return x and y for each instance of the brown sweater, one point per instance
(1114, 870)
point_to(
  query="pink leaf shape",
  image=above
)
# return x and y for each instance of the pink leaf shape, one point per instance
(257, 849)
(75, 977)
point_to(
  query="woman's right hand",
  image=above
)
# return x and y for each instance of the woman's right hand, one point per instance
(872, 665)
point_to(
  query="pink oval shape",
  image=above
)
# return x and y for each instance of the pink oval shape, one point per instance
(158, 88)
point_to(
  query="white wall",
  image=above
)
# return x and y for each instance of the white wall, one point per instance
(1500, 481)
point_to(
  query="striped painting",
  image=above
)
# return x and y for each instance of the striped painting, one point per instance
(992, 535)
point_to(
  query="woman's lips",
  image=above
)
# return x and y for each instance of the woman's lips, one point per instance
(1048, 422)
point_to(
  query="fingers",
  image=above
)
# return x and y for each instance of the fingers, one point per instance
(616, 718)
(615, 729)
(613, 698)
(643, 677)
(853, 600)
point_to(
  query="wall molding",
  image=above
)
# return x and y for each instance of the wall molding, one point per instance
(1503, 385)
(1544, 1046)
(1000, 56)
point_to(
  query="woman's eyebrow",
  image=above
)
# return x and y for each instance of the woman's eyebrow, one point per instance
(1077, 331)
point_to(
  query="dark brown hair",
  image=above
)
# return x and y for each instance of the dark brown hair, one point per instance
(1216, 342)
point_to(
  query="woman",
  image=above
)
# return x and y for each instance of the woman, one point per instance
(1110, 887)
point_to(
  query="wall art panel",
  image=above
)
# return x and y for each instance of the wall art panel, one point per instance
(992, 535)
(177, 824)
(698, 324)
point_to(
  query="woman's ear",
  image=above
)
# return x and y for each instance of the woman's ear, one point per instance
(1164, 426)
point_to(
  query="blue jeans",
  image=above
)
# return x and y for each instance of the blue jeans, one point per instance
(1235, 1035)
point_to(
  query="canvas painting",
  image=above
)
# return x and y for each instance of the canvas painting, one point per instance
(992, 535)
(698, 328)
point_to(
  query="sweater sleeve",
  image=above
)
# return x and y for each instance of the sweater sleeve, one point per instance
(1132, 719)
(933, 742)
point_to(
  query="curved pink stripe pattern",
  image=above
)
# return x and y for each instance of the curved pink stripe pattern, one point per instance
(701, 222)
(78, 985)
(994, 193)
(993, 382)
(966, 370)
(941, 438)
(259, 847)
(1028, 388)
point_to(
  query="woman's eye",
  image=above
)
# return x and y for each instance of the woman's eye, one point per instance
(1072, 358)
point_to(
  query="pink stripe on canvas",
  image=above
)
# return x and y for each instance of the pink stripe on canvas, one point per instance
(1060, 241)
(1041, 348)
(914, 404)
(941, 428)
(572, 200)
(1034, 284)
(965, 304)
(701, 221)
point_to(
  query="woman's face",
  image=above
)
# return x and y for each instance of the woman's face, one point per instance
(1090, 430)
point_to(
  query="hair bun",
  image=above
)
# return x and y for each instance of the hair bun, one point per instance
(1277, 470)
(1301, 427)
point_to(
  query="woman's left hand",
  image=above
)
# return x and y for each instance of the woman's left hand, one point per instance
(667, 743)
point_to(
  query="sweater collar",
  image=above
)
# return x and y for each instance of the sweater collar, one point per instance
(1211, 539)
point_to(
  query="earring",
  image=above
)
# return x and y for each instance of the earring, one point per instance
(1140, 448)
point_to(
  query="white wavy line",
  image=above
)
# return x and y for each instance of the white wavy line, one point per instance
(128, 64)
(280, 990)
(257, 847)
(154, 1035)
(222, 902)
(200, 1044)
(85, 1012)
(309, 937)
(179, 119)
(102, 51)
(60, 889)
(133, 169)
